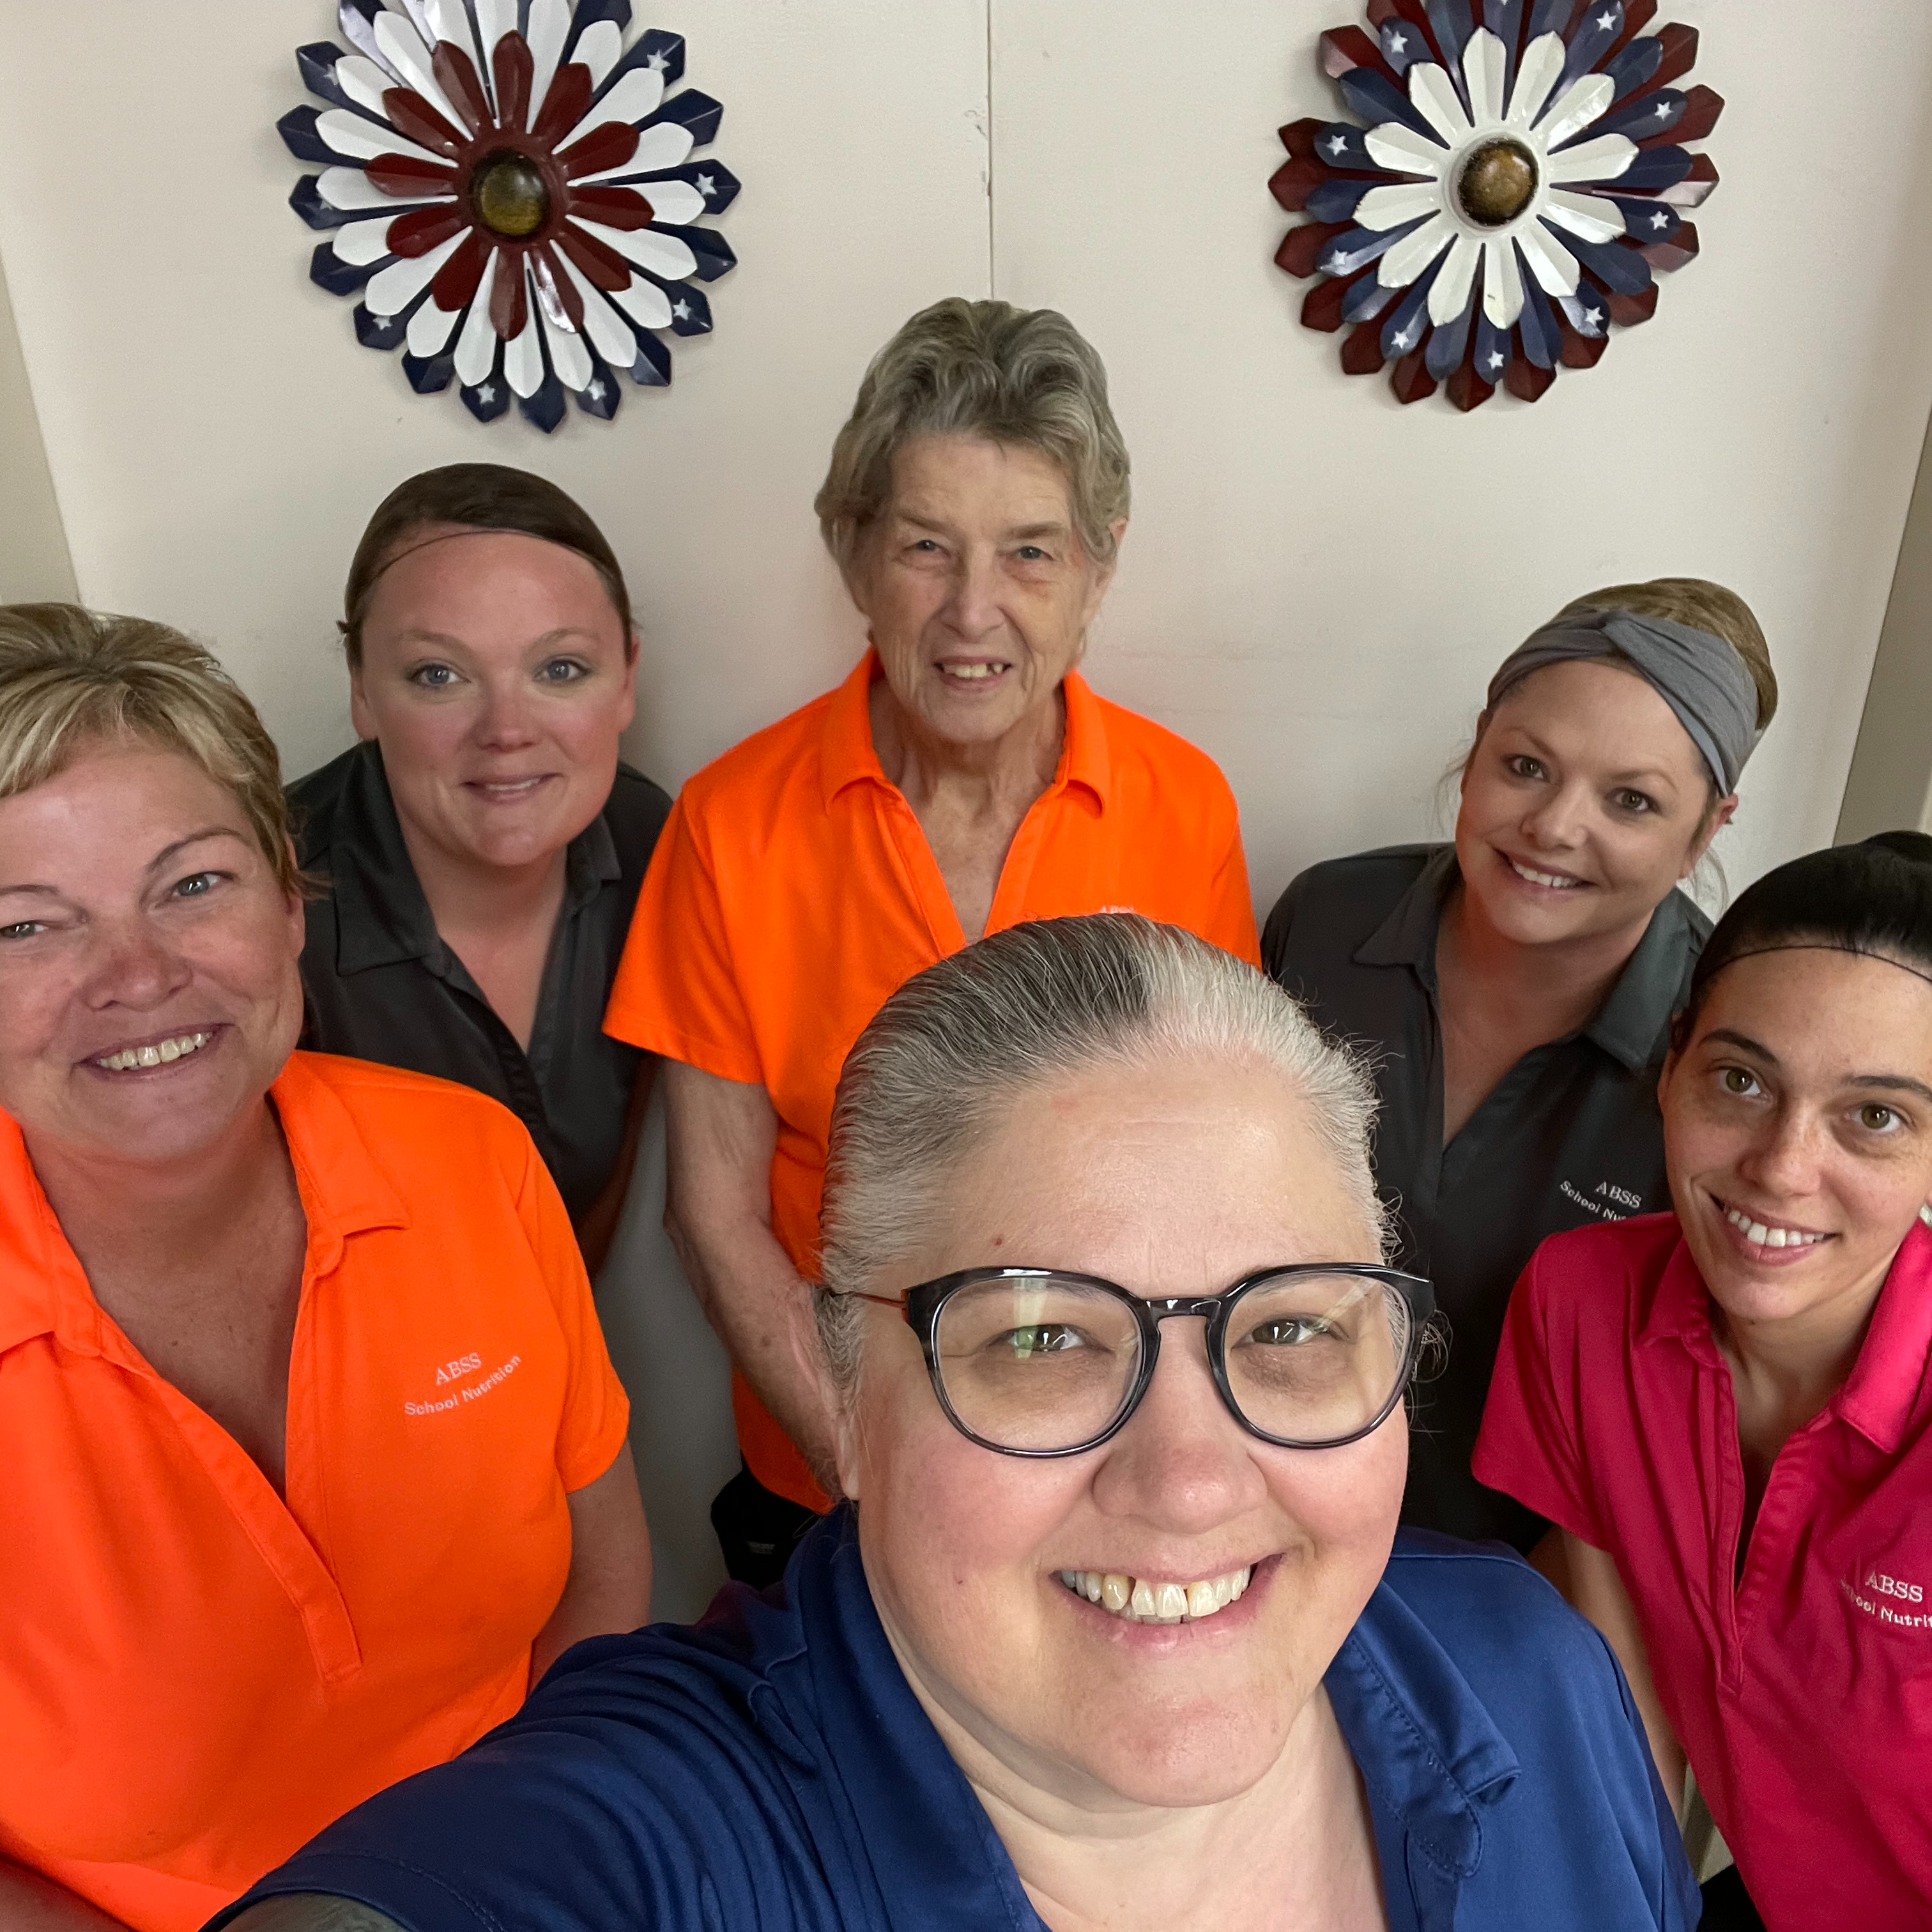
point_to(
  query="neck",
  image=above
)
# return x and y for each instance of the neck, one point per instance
(468, 895)
(998, 773)
(1566, 980)
(1785, 1372)
(166, 1211)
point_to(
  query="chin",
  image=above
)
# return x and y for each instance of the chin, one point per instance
(1205, 1755)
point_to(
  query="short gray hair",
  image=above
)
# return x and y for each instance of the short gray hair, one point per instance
(950, 1051)
(985, 369)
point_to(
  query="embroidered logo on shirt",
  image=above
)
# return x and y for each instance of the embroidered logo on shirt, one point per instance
(1889, 1598)
(1604, 1200)
(463, 1365)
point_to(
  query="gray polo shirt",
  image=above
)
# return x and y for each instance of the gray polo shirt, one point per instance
(382, 985)
(1570, 1136)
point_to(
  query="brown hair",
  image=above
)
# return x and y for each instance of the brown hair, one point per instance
(71, 677)
(1704, 606)
(479, 496)
(1025, 376)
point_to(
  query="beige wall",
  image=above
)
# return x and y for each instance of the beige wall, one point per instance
(1318, 582)
(34, 562)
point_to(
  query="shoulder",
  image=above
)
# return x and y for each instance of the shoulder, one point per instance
(1176, 763)
(765, 762)
(635, 812)
(315, 799)
(439, 1124)
(1604, 1263)
(1333, 906)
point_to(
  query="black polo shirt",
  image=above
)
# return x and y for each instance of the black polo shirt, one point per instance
(382, 985)
(1570, 1136)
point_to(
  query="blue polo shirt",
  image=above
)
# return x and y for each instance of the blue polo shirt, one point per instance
(771, 1767)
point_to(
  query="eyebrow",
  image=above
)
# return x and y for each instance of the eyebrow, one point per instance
(1020, 533)
(1640, 774)
(417, 636)
(154, 865)
(1891, 1083)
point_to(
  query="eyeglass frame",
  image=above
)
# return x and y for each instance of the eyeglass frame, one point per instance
(923, 1302)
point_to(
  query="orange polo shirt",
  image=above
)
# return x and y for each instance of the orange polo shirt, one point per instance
(197, 1675)
(793, 892)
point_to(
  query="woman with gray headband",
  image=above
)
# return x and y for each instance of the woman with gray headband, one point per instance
(1518, 984)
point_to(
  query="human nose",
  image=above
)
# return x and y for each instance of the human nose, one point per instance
(973, 608)
(1182, 1462)
(1783, 1159)
(503, 722)
(1558, 819)
(135, 967)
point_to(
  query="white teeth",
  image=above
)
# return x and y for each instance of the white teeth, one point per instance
(1544, 878)
(1137, 1602)
(972, 674)
(1761, 1236)
(157, 1055)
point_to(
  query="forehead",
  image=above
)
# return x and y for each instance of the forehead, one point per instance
(135, 794)
(452, 567)
(1177, 1176)
(962, 476)
(1601, 706)
(1826, 1013)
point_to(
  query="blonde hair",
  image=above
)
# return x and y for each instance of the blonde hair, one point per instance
(71, 677)
(1023, 377)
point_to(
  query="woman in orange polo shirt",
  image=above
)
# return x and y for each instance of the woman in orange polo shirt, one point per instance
(963, 778)
(314, 1457)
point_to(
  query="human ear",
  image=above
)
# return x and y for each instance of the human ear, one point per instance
(1719, 816)
(360, 715)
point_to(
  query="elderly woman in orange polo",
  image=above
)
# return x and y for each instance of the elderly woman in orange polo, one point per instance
(963, 778)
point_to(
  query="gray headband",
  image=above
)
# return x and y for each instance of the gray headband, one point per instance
(1695, 673)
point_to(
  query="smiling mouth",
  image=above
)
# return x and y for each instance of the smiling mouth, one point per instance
(1560, 882)
(1135, 1601)
(1769, 1234)
(157, 1053)
(973, 674)
(508, 791)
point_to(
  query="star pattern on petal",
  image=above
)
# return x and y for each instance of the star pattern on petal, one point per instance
(1607, 21)
(656, 62)
(681, 309)
(1338, 144)
(1592, 316)
(596, 391)
(486, 392)
(1402, 339)
(707, 186)
(1496, 358)
(1398, 43)
(1659, 220)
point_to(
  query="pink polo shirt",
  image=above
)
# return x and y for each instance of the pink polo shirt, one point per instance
(1803, 1692)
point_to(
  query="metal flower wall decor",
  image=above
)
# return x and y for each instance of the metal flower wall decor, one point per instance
(1516, 191)
(511, 190)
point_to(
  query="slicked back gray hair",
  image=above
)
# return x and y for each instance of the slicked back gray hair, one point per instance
(983, 369)
(949, 1052)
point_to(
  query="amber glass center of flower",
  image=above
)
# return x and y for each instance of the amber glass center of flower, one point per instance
(1496, 182)
(510, 194)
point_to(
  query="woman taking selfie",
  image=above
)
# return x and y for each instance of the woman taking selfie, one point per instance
(483, 845)
(1515, 987)
(1109, 1637)
(1725, 1411)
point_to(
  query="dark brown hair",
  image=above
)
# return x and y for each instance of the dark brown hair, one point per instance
(480, 497)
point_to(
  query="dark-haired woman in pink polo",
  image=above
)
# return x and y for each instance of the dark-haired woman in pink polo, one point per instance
(1727, 1411)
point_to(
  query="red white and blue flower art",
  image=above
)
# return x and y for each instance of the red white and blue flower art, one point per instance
(1519, 185)
(509, 189)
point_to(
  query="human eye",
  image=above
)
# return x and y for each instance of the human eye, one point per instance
(563, 670)
(1290, 1331)
(431, 676)
(1041, 1338)
(1632, 801)
(1738, 1083)
(1876, 1118)
(20, 928)
(1523, 766)
(196, 886)
(1032, 553)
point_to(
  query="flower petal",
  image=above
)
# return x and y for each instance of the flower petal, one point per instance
(621, 207)
(494, 19)
(476, 347)
(395, 287)
(640, 93)
(1574, 111)
(662, 254)
(566, 104)
(1553, 265)
(1401, 149)
(645, 303)
(423, 228)
(408, 179)
(461, 81)
(602, 266)
(1433, 94)
(1450, 296)
(1502, 281)
(610, 335)
(599, 47)
(430, 329)
(1603, 159)
(523, 355)
(1414, 253)
(362, 242)
(462, 275)
(407, 55)
(1485, 65)
(1594, 217)
(664, 145)
(365, 83)
(549, 23)
(356, 139)
(1542, 67)
(350, 188)
(568, 356)
(1398, 202)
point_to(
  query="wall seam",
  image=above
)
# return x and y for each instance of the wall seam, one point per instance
(992, 238)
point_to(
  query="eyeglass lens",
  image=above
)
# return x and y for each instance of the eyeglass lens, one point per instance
(1047, 1362)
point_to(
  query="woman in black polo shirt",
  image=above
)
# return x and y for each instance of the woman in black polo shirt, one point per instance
(1516, 987)
(483, 845)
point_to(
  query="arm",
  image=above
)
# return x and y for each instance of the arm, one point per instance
(1588, 1578)
(718, 1211)
(598, 1227)
(29, 1902)
(609, 1586)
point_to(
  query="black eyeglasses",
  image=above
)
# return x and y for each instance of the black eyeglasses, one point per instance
(1040, 1362)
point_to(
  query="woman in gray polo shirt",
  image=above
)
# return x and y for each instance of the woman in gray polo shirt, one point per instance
(1517, 986)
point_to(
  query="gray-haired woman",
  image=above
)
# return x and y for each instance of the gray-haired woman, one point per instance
(1112, 1635)
(1519, 984)
(963, 778)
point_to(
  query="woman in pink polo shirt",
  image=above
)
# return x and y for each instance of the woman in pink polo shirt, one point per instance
(1727, 1411)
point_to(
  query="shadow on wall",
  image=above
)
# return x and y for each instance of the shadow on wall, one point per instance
(679, 1384)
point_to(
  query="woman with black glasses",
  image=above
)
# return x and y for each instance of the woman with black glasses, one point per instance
(1109, 1631)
